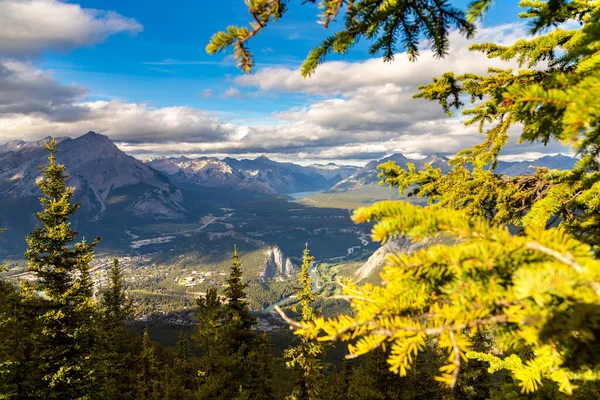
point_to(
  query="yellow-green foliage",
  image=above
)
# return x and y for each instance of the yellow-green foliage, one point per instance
(305, 357)
(538, 290)
(554, 100)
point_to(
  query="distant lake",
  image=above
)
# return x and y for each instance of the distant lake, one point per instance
(301, 195)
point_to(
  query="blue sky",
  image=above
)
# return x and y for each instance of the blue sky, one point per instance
(129, 61)
(163, 65)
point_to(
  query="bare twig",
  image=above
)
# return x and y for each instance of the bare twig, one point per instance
(456, 359)
(567, 259)
(293, 324)
(350, 298)
(258, 21)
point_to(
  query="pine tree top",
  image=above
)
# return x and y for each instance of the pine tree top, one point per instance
(52, 256)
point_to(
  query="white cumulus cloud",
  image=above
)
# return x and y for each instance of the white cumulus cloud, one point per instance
(28, 27)
(356, 110)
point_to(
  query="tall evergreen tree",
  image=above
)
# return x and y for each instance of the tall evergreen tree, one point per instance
(149, 377)
(236, 363)
(210, 335)
(118, 360)
(339, 382)
(116, 306)
(15, 344)
(67, 339)
(306, 357)
(236, 306)
(250, 354)
(182, 379)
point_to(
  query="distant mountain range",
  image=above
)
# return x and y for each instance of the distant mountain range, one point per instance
(119, 192)
(368, 175)
(259, 175)
(101, 172)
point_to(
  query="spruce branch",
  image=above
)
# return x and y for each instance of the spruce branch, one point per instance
(567, 259)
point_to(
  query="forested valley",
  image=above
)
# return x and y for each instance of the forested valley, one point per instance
(503, 304)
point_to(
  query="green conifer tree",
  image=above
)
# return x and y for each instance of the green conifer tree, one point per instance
(118, 360)
(236, 306)
(18, 328)
(236, 363)
(182, 382)
(13, 325)
(211, 338)
(250, 353)
(116, 306)
(306, 357)
(339, 382)
(149, 377)
(66, 344)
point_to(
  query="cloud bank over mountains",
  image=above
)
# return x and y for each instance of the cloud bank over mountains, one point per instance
(355, 110)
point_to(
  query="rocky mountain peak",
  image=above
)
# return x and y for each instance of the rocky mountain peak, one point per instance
(262, 158)
(436, 157)
(398, 158)
(558, 156)
(96, 167)
(18, 145)
(92, 136)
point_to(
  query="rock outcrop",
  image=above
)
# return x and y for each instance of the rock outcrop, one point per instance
(377, 260)
(277, 264)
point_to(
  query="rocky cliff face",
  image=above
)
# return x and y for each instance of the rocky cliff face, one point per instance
(96, 168)
(210, 172)
(377, 260)
(277, 264)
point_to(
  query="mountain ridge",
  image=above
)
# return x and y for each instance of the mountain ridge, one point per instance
(368, 175)
(96, 167)
(261, 175)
